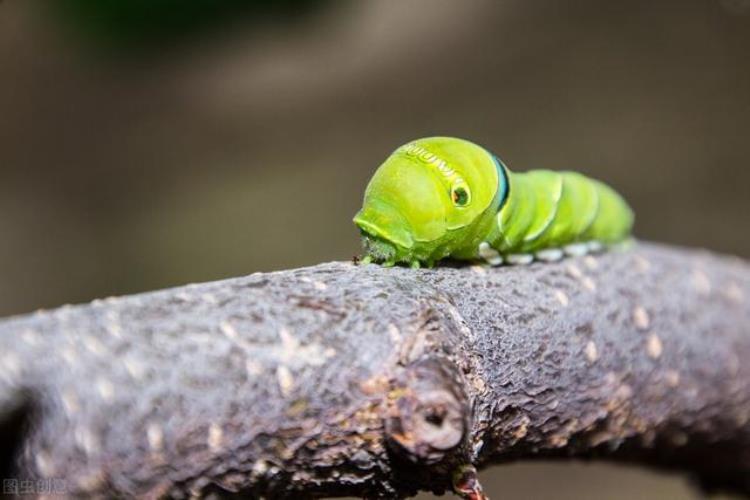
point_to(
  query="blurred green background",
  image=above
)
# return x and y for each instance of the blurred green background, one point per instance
(148, 144)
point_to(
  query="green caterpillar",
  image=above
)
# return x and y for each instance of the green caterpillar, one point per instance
(442, 197)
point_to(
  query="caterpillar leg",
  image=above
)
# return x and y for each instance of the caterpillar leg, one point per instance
(576, 249)
(549, 254)
(489, 254)
(519, 259)
(623, 245)
(595, 246)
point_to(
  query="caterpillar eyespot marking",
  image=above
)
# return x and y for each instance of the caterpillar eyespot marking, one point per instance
(443, 197)
(460, 196)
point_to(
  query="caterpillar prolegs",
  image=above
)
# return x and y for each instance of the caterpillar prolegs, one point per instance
(443, 197)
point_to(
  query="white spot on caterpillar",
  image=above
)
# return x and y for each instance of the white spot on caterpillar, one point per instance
(654, 346)
(489, 254)
(641, 318)
(215, 437)
(592, 353)
(549, 255)
(495, 261)
(595, 246)
(105, 388)
(576, 249)
(478, 270)
(562, 298)
(520, 259)
(155, 437)
(284, 379)
(701, 283)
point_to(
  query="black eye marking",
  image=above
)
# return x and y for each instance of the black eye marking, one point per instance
(460, 196)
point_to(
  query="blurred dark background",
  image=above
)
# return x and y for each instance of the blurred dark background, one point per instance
(152, 143)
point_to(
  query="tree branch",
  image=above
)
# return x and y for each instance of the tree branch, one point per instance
(346, 380)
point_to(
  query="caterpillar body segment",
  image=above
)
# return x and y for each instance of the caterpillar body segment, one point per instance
(444, 197)
(550, 209)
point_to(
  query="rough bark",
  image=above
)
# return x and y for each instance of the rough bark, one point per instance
(360, 380)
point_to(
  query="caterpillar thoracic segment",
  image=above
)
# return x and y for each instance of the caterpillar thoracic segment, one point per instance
(443, 197)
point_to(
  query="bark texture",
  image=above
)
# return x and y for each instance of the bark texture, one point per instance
(360, 380)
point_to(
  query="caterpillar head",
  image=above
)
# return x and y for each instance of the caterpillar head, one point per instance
(423, 201)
